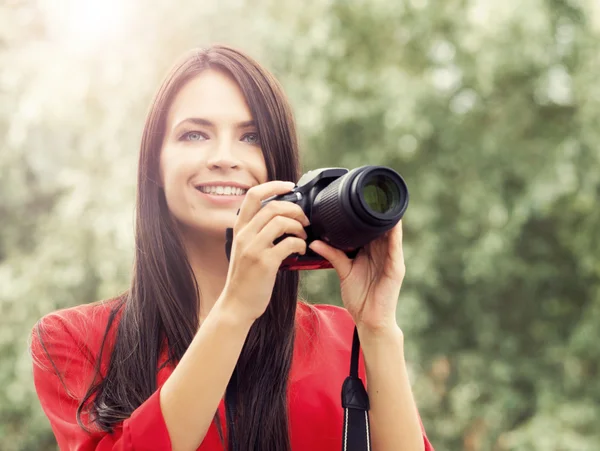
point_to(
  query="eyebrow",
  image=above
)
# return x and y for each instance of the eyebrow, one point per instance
(207, 123)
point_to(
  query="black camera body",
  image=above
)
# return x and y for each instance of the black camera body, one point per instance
(347, 209)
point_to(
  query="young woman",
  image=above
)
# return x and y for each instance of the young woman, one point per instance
(149, 369)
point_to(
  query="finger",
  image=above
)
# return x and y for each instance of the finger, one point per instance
(398, 231)
(274, 209)
(396, 239)
(252, 201)
(288, 246)
(338, 259)
(277, 227)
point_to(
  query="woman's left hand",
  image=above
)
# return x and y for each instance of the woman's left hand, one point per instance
(370, 283)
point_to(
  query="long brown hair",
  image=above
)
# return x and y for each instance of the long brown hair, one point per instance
(162, 303)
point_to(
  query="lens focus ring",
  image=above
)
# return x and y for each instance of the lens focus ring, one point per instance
(333, 223)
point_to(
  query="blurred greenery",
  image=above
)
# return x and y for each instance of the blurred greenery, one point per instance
(490, 110)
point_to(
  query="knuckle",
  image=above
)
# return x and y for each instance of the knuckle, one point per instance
(286, 207)
(264, 260)
(293, 208)
(297, 243)
(253, 190)
(298, 247)
(280, 222)
(247, 253)
(254, 258)
(237, 227)
(299, 226)
(243, 253)
(272, 207)
(302, 246)
(239, 236)
(253, 194)
(294, 228)
(300, 214)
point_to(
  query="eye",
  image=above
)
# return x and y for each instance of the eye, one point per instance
(193, 136)
(251, 138)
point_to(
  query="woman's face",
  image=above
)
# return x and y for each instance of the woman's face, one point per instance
(211, 154)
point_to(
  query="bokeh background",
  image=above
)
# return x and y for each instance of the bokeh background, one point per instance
(489, 108)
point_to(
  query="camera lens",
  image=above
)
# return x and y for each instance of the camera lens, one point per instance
(380, 193)
(359, 206)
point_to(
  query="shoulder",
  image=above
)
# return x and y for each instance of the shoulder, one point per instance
(330, 312)
(81, 315)
(70, 334)
(81, 321)
(330, 322)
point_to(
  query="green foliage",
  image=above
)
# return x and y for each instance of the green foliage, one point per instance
(488, 109)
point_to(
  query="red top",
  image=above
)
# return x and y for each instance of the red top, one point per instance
(73, 337)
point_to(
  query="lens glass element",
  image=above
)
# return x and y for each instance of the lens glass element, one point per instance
(381, 194)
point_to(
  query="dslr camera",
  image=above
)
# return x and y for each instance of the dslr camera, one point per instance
(347, 209)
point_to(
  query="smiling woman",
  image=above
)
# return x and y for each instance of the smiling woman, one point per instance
(201, 352)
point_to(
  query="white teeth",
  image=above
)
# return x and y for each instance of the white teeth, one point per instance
(223, 190)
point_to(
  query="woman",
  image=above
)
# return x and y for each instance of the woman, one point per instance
(150, 368)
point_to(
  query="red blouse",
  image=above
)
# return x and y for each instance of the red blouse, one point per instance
(72, 337)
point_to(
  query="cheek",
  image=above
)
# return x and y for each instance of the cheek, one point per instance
(259, 167)
(163, 169)
(172, 173)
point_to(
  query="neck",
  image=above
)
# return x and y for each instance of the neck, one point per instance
(207, 258)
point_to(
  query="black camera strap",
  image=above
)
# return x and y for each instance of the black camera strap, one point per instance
(355, 401)
(356, 435)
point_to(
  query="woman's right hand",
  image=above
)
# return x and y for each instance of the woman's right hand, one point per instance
(254, 260)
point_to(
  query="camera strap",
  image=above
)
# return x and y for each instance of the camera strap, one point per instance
(355, 402)
(356, 435)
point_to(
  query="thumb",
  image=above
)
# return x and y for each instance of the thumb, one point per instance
(338, 259)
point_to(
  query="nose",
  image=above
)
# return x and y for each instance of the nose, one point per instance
(222, 157)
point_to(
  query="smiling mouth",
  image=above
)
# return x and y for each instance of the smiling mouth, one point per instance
(222, 190)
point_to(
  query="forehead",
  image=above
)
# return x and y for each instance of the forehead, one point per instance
(211, 95)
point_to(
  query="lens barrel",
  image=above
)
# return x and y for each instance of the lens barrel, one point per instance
(359, 206)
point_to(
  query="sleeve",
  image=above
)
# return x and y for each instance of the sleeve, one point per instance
(427, 443)
(62, 372)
